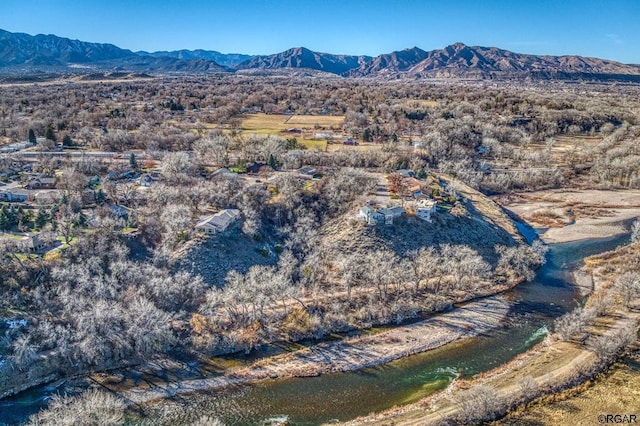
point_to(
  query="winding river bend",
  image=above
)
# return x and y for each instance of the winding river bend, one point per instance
(344, 396)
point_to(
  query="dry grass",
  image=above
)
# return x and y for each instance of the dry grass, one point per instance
(617, 393)
(313, 144)
(279, 122)
(269, 122)
(276, 124)
(317, 120)
(362, 147)
(417, 103)
(546, 218)
(565, 146)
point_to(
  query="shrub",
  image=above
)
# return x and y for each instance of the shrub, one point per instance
(93, 407)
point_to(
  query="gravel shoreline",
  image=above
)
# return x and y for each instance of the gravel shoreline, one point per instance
(356, 353)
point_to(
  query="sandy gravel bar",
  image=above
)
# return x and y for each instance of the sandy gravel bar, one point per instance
(351, 354)
(596, 213)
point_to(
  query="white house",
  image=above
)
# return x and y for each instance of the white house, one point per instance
(218, 222)
(425, 209)
(369, 215)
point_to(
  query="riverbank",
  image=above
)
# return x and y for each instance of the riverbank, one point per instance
(550, 367)
(349, 354)
(617, 392)
(572, 215)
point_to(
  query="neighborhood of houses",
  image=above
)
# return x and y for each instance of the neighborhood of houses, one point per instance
(402, 194)
(399, 193)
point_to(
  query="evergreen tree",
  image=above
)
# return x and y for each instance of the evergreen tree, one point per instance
(12, 217)
(99, 196)
(5, 224)
(133, 162)
(41, 219)
(50, 134)
(66, 141)
(272, 162)
(32, 136)
(366, 135)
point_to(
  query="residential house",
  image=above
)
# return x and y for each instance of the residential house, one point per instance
(256, 168)
(369, 215)
(218, 222)
(34, 242)
(14, 196)
(406, 173)
(41, 182)
(425, 209)
(223, 172)
(391, 213)
(16, 146)
(414, 186)
(322, 135)
(145, 180)
(119, 212)
(307, 170)
(46, 197)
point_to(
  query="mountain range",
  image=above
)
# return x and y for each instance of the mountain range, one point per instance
(22, 54)
(224, 59)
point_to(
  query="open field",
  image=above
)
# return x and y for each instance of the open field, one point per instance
(279, 122)
(334, 121)
(564, 147)
(59, 81)
(276, 124)
(363, 146)
(573, 215)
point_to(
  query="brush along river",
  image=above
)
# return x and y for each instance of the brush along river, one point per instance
(344, 396)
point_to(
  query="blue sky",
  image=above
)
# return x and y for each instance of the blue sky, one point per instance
(605, 29)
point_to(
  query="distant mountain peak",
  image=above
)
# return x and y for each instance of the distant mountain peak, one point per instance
(27, 53)
(23, 53)
(302, 57)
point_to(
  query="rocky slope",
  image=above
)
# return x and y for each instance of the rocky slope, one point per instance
(301, 57)
(23, 53)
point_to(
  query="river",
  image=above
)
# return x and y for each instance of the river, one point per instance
(344, 396)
